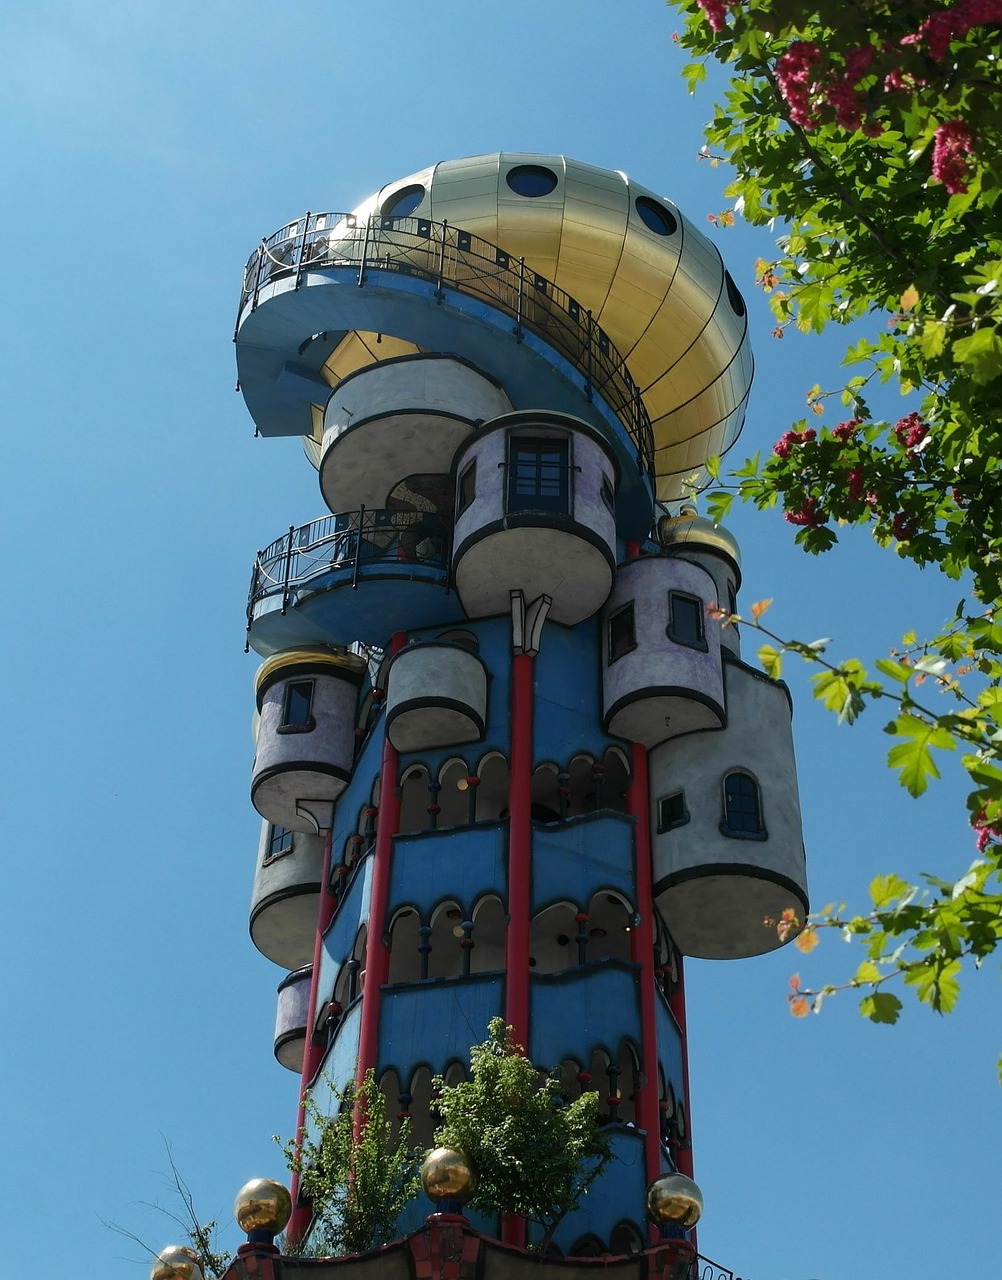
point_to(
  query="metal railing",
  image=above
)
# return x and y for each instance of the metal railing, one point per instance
(446, 255)
(704, 1269)
(347, 541)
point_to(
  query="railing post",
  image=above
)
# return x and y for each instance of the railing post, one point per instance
(252, 600)
(257, 278)
(588, 357)
(288, 571)
(302, 251)
(365, 251)
(439, 291)
(358, 546)
(520, 299)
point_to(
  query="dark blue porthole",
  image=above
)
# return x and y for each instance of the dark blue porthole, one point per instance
(656, 217)
(733, 296)
(403, 203)
(531, 180)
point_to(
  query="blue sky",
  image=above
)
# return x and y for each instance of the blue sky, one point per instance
(147, 149)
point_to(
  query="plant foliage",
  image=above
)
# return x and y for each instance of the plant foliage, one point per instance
(536, 1154)
(870, 134)
(357, 1174)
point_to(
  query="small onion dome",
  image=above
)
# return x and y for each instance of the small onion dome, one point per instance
(292, 662)
(176, 1262)
(673, 1200)
(447, 1174)
(262, 1205)
(696, 532)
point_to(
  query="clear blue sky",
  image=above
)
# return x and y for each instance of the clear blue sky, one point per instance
(148, 146)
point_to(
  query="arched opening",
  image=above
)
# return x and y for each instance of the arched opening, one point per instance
(488, 937)
(423, 1120)
(742, 807)
(414, 798)
(453, 796)
(627, 1083)
(445, 960)
(626, 1239)
(554, 943)
(545, 797)
(405, 940)
(610, 923)
(389, 1087)
(491, 791)
(588, 1246)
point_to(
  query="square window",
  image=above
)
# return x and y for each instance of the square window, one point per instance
(672, 811)
(685, 620)
(280, 841)
(622, 634)
(537, 475)
(467, 487)
(298, 707)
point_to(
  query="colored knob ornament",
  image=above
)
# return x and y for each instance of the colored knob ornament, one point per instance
(262, 1209)
(448, 1178)
(673, 1200)
(176, 1262)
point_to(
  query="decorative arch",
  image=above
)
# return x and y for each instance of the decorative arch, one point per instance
(452, 796)
(625, 1239)
(491, 789)
(405, 941)
(488, 935)
(414, 798)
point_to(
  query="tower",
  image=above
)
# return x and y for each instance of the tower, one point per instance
(508, 761)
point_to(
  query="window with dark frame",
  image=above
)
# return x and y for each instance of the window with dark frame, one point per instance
(622, 633)
(537, 475)
(279, 841)
(742, 808)
(467, 487)
(298, 707)
(685, 620)
(608, 496)
(672, 811)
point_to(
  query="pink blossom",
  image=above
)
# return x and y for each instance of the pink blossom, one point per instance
(951, 147)
(846, 431)
(911, 431)
(902, 528)
(716, 13)
(809, 514)
(784, 445)
(855, 485)
(793, 72)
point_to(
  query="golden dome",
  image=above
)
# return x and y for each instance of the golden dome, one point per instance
(176, 1262)
(673, 1200)
(447, 1174)
(653, 283)
(691, 530)
(262, 1205)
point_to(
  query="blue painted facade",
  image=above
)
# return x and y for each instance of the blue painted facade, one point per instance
(604, 1015)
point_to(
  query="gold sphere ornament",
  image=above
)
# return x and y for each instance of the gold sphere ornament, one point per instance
(447, 1174)
(262, 1205)
(673, 1200)
(176, 1262)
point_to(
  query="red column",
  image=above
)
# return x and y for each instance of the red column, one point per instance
(377, 955)
(683, 1157)
(642, 953)
(516, 1008)
(312, 1054)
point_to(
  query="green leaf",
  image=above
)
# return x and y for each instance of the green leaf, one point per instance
(882, 1006)
(983, 352)
(771, 660)
(913, 758)
(887, 889)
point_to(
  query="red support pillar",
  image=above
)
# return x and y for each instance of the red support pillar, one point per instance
(377, 955)
(312, 1054)
(516, 1009)
(642, 953)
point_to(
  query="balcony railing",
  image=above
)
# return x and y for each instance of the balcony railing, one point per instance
(446, 255)
(704, 1269)
(347, 541)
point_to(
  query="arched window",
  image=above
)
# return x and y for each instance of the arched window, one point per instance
(742, 808)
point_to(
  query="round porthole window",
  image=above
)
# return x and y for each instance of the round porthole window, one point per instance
(531, 180)
(656, 217)
(403, 203)
(733, 296)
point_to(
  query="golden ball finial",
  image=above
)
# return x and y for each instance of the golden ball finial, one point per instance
(176, 1262)
(262, 1205)
(673, 1200)
(447, 1174)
